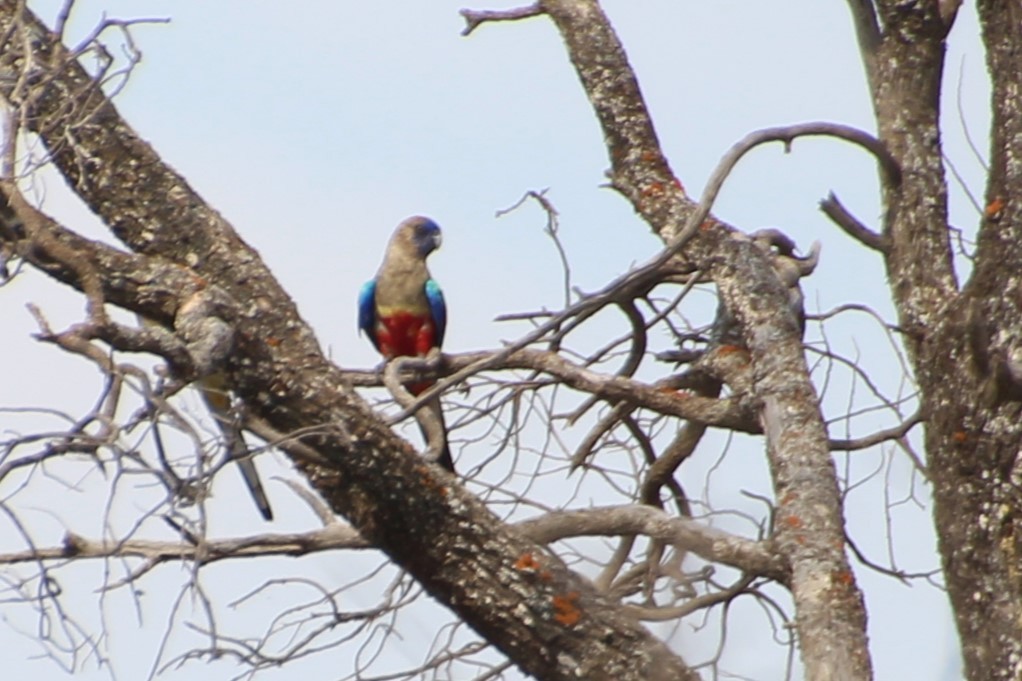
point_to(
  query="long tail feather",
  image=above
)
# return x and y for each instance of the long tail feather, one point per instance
(440, 451)
(239, 452)
(219, 403)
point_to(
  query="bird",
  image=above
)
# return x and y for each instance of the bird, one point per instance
(402, 310)
(216, 394)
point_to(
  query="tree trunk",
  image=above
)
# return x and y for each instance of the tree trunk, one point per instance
(964, 343)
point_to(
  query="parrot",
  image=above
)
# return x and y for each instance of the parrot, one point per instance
(216, 394)
(402, 309)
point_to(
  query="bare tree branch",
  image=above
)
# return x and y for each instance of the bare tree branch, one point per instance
(760, 558)
(896, 433)
(475, 18)
(836, 211)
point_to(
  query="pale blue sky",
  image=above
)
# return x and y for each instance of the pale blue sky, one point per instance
(315, 127)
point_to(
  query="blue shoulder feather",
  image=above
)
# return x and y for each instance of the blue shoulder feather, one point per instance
(367, 310)
(438, 308)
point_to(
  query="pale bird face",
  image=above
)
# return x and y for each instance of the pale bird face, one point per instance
(424, 235)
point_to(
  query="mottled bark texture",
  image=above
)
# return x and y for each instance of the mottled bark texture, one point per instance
(830, 616)
(964, 342)
(546, 619)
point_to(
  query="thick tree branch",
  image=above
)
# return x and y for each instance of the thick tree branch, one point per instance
(962, 344)
(905, 68)
(974, 440)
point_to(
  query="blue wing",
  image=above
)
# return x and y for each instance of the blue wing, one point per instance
(437, 308)
(367, 311)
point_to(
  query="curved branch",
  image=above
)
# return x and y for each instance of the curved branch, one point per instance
(841, 217)
(789, 133)
(662, 471)
(756, 557)
(895, 433)
(664, 614)
(604, 426)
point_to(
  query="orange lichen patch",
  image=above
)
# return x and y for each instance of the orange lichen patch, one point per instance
(527, 561)
(653, 190)
(707, 224)
(429, 481)
(736, 356)
(273, 342)
(959, 436)
(650, 156)
(565, 610)
(679, 185)
(792, 521)
(995, 207)
(844, 578)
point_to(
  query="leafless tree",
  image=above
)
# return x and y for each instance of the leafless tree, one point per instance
(529, 583)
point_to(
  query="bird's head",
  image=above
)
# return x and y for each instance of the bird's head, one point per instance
(419, 234)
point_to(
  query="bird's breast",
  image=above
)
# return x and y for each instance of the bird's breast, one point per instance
(401, 333)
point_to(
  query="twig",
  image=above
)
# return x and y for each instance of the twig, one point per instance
(839, 215)
(475, 18)
(895, 433)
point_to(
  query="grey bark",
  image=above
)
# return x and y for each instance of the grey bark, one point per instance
(963, 340)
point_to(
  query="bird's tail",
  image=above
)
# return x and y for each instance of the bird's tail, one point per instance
(218, 400)
(239, 452)
(216, 395)
(431, 417)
